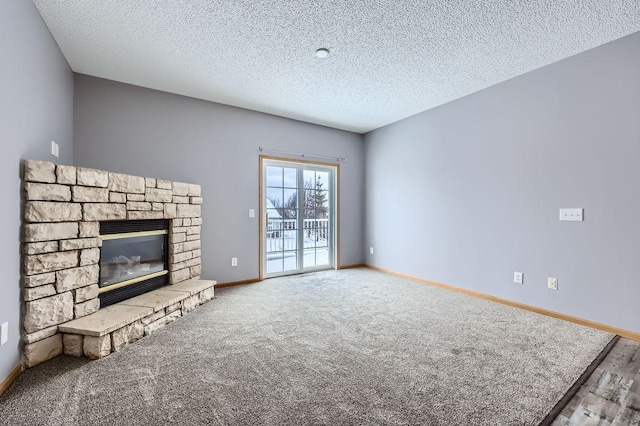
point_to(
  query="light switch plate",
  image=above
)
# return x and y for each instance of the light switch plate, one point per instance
(575, 215)
(55, 149)
(518, 277)
(4, 333)
(252, 213)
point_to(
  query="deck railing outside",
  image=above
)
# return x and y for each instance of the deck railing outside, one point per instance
(282, 234)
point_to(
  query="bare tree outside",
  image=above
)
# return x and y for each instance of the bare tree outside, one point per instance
(315, 199)
(288, 209)
(315, 202)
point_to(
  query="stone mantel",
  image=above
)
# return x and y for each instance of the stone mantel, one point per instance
(62, 208)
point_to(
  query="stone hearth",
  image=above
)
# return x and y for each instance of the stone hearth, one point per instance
(62, 211)
(110, 329)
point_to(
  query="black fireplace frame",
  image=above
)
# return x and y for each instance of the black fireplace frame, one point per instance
(116, 295)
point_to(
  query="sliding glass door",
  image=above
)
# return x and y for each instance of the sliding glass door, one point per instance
(299, 217)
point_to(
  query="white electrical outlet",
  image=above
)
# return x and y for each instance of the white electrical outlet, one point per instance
(234, 261)
(518, 277)
(370, 250)
(552, 283)
(572, 215)
(55, 149)
(4, 333)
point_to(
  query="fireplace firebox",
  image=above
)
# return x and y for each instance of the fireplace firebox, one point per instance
(133, 258)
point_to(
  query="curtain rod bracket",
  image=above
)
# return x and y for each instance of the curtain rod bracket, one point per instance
(302, 154)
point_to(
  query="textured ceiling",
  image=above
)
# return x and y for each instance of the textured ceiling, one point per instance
(389, 58)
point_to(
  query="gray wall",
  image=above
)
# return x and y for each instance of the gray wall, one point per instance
(469, 192)
(129, 129)
(36, 87)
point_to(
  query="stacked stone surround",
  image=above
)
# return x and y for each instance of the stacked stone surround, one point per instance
(63, 206)
(109, 330)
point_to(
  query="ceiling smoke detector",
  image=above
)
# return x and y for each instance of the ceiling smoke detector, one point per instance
(322, 52)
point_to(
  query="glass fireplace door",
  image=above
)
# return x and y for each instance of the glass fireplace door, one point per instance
(125, 259)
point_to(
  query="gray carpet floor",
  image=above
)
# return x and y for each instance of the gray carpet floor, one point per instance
(352, 347)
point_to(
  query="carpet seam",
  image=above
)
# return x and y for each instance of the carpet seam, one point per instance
(573, 390)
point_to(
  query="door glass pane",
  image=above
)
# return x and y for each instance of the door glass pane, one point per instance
(274, 241)
(322, 256)
(290, 178)
(274, 198)
(274, 233)
(308, 233)
(309, 258)
(321, 204)
(290, 241)
(274, 264)
(322, 180)
(290, 259)
(290, 214)
(274, 176)
(290, 197)
(322, 232)
(308, 176)
(309, 213)
(273, 214)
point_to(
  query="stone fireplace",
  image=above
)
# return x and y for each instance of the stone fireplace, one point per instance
(91, 239)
